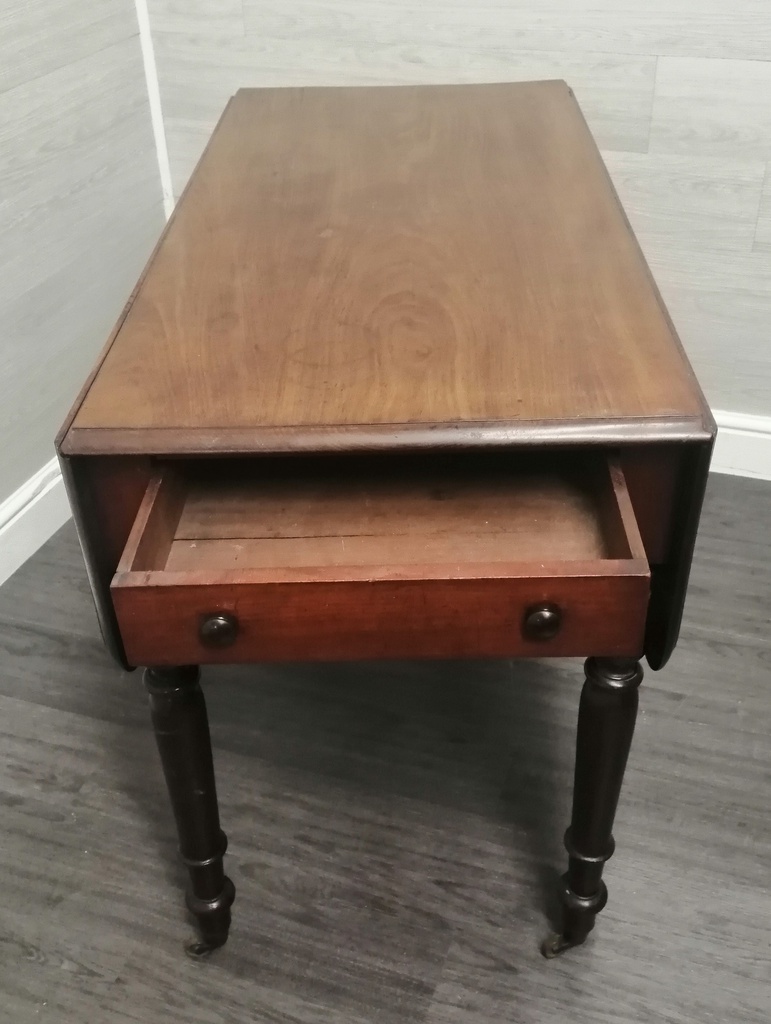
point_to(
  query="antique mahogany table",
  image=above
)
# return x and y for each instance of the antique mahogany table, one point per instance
(396, 382)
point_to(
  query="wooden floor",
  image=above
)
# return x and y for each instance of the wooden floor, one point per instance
(394, 828)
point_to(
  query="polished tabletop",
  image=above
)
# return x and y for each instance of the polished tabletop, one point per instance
(393, 266)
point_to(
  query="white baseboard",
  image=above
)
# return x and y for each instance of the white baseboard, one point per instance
(30, 516)
(743, 446)
(39, 507)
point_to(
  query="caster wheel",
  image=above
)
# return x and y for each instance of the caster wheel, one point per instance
(199, 950)
(557, 943)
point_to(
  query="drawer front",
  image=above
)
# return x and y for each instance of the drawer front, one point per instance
(340, 620)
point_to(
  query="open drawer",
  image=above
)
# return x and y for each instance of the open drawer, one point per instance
(237, 560)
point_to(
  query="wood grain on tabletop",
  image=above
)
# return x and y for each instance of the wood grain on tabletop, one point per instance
(373, 256)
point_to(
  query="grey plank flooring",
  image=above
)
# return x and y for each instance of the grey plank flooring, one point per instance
(395, 828)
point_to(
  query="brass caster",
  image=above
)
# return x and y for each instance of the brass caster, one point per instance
(201, 950)
(557, 943)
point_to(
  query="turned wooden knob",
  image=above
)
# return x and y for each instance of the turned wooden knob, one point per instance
(542, 622)
(218, 630)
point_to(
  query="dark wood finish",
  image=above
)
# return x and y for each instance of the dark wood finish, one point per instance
(153, 530)
(666, 484)
(105, 494)
(669, 581)
(405, 563)
(354, 512)
(538, 156)
(606, 720)
(219, 630)
(528, 510)
(542, 621)
(394, 437)
(432, 618)
(438, 269)
(447, 258)
(659, 477)
(652, 473)
(178, 713)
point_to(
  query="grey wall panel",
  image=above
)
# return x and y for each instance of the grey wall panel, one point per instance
(80, 208)
(763, 227)
(713, 108)
(721, 304)
(690, 201)
(197, 16)
(38, 36)
(703, 28)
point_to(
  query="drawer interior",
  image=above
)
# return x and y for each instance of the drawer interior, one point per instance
(459, 516)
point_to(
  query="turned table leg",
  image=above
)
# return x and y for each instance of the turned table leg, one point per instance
(606, 720)
(178, 712)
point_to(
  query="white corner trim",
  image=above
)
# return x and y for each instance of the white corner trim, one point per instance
(30, 516)
(154, 96)
(743, 446)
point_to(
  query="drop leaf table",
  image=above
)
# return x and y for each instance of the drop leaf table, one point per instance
(395, 382)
